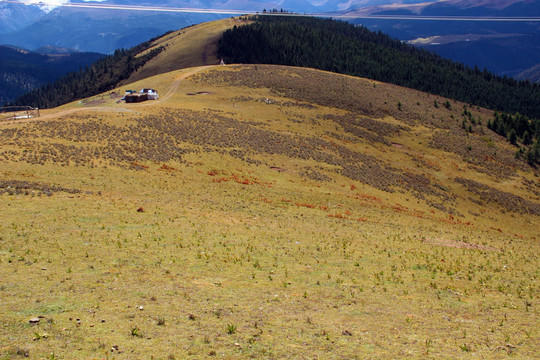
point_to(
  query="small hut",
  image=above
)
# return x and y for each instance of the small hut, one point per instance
(151, 94)
(136, 97)
(143, 95)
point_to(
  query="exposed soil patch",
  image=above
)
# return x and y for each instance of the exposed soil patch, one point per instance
(199, 93)
(458, 244)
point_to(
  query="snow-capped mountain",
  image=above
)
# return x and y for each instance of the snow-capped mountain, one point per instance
(14, 16)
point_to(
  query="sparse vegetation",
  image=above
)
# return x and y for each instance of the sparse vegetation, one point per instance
(135, 331)
(231, 329)
(322, 223)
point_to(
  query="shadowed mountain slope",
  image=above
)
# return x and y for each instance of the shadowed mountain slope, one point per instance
(22, 71)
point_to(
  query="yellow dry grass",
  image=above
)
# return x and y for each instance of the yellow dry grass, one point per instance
(151, 231)
(186, 48)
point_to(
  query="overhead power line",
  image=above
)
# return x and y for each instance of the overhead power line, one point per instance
(349, 15)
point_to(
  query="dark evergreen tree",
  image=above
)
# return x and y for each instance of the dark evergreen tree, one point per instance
(512, 137)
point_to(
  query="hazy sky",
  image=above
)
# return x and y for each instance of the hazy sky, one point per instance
(234, 7)
(51, 4)
(254, 5)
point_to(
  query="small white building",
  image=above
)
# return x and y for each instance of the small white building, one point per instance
(151, 94)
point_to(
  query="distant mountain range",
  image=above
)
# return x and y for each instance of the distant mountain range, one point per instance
(300, 41)
(532, 74)
(96, 30)
(505, 48)
(14, 16)
(102, 29)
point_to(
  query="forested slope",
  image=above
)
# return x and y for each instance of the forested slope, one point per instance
(103, 75)
(348, 49)
(22, 71)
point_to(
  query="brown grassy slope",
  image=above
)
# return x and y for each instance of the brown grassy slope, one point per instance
(284, 213)
(393, 121)
(189, 47)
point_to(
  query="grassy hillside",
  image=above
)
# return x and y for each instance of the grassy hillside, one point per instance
(192, 46)
(185, 48)
(266, 212)
(317, 43)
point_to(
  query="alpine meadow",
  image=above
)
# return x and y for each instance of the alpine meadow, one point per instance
(274, 206)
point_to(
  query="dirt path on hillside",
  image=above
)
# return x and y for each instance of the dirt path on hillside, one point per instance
(63, 113)
(177, 82)
(132, 108)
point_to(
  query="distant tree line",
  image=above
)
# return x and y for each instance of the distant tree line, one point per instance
(275, 11)
(344, 48)
(103, 75)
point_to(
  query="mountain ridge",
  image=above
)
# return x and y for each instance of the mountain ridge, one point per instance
(14, 16)
(255, 203)
(384, 120)
(98, 30)
(91, 29)
(357, 51)
(282, 40)
(515, 43)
